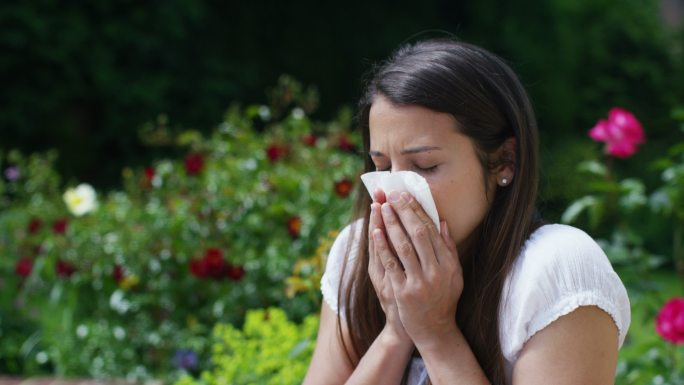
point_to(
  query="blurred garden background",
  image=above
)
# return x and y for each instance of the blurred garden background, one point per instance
(174, 172)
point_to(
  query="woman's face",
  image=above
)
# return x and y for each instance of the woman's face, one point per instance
(417, 139)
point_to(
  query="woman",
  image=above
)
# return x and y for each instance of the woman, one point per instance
(494, 295)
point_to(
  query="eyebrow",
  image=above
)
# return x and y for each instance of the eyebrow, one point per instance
(411, 150)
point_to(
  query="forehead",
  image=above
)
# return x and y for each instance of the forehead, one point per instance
(392, 125)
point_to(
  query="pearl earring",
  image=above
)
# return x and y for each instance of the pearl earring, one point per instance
(504, 181)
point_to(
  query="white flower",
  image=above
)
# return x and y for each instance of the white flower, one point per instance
(80, 200)
(298, 113)
(264, 113)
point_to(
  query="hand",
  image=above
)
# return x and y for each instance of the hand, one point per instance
(427, 290)
(381, 281)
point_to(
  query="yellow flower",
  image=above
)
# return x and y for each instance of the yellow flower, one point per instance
(129, 282)
(307, 272)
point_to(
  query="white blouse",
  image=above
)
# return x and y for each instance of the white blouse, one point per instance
(559, 269)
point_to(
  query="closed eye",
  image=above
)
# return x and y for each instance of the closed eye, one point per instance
(426, 170)
(420, 170)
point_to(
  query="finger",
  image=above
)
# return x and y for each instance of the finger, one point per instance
(420, 232)
(444, 246)
(389, 262)
(379, 196)
(402, 243)
(446, 236)
(375, 222)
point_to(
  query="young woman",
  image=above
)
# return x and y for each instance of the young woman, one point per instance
(492, 297)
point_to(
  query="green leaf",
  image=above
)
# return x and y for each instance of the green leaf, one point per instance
(592, 167)
(577, 207)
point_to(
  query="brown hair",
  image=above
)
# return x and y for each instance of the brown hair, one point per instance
(490, 105)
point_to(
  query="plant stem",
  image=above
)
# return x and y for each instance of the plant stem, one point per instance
(677, 246)
(673, 355)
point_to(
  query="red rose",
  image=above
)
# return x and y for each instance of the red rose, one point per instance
(235, 273)
(64, 269)
(34, 225)
(345, 145)
(194, 164)
(294, 225)
(343, 187)
(23, 267)
(199, 268)
(118, 273)
(310, 139)
(275, 152)
(59, 226)
(149, 174)
(213, 259)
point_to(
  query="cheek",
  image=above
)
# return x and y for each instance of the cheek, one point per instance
(462, 205)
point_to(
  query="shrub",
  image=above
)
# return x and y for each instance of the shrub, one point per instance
(128, 282)
(269, 349)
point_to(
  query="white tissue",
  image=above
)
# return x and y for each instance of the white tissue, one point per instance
(401, 181)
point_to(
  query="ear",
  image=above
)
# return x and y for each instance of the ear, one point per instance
(505, 162)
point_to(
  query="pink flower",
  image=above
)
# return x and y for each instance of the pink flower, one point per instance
(622, 133)
(670, 321)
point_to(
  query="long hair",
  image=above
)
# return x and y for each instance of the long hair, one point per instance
(490, 105)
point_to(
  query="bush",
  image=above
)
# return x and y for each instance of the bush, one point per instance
(269, 350)
(123, 283)
(625, 207)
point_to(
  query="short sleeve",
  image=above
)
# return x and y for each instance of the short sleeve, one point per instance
(559, 269)
(340, 251)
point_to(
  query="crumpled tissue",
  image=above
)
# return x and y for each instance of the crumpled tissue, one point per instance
(408, 181)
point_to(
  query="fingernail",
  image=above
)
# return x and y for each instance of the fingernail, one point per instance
(394, 196)
(387, 209)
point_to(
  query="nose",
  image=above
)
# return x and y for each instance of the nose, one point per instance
(398, 167)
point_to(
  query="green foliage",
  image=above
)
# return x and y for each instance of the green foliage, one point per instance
(268, 350)
(119, 290)
(646, 358)
(629, 212)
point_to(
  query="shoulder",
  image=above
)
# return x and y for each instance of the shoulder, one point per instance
(556, 246)
(345, 246)
(344, 250)
(559, 269)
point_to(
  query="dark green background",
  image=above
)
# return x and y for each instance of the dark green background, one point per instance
(82, 77)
